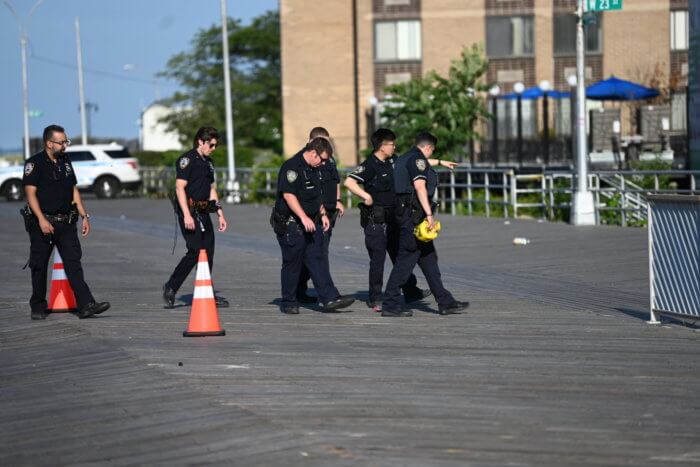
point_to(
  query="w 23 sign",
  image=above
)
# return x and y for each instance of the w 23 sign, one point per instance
(602, 5)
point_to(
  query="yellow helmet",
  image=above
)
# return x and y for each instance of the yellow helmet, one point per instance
(423, 234)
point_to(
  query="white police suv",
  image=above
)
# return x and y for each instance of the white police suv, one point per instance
(105, 169)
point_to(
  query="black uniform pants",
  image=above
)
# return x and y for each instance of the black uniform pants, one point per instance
(412, 251)
(305, 275)
(65, 238)
(195, 240)
(381, 239)
(299, 249)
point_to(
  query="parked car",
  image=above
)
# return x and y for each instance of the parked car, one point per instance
(104, 169)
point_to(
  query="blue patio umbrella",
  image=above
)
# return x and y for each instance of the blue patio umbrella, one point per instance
(535, 93)
(615, 89)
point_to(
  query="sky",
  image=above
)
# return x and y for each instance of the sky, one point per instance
(125, 44)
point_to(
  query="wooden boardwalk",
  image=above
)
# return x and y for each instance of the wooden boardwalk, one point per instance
(553, 364)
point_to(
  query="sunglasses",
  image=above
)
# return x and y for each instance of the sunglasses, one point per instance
(65, 142)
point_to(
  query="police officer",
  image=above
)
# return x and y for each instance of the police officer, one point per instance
(196, 199)
(299, 220)
(54, 206)
(333, 205)
(415, 183)
(376, 175)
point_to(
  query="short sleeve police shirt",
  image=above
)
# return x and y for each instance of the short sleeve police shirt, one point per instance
(377, 176)
(54, 182)
(296, 177)
(198, 171)
(417, 166)
(331, 179)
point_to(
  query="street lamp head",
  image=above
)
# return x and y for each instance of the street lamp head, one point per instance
(571, 79)
(518, 87)
(545, 85)
(495, 90)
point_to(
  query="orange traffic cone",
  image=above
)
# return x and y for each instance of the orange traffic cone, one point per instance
(61, 296)
(204, 319)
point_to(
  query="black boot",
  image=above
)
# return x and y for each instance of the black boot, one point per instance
(168, 296)
(93, 308)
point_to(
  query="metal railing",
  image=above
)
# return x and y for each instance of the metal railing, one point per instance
(620, 196)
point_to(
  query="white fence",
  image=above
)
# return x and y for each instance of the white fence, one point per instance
(674, 256)
(620, 196)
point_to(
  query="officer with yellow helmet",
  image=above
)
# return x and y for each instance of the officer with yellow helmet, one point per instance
(416, 182)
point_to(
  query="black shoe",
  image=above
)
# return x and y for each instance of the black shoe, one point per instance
(168, 296)
(290, 309)
(39, 314)
(221, 302)
(93, 308)
(375, 306)
(397, 313)
(452, 308)
(417, 295)
(306, 299)
(334, 306)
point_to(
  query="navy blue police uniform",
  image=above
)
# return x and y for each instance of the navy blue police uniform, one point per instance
(198, 171)
(301, 248)
(55, 182)
(330, 179)
(410, 167)
(380, 226)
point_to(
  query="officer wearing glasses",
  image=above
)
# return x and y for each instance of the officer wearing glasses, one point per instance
(196, 198)
(299, 220)
(373, 181)
(331, 203)
(54, 207)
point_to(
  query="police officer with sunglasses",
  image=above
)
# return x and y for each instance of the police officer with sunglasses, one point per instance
(54, 205)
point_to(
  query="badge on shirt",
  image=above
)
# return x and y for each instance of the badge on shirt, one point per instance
(420, 163)
(291, 176)
(184, 162)
(28, 168)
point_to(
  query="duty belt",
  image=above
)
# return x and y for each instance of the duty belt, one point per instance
(201, 206)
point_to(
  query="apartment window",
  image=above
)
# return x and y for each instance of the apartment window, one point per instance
(679, 30)
(510, 36)
(679, 111)
(397, 40)
(565, 34)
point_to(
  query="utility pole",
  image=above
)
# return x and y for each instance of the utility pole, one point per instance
(23, 40)
(81, 84)
(582, 208)
(232, 194)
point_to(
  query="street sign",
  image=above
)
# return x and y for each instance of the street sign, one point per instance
(36, 113)
(602, 5)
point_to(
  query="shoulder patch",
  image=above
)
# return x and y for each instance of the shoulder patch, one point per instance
(420, 164)
(291, 176)
(359, 169)
(68, 169)
(28, 168)
(184, 162)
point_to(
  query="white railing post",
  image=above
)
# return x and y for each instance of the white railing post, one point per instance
(453, 194)
(487, 195)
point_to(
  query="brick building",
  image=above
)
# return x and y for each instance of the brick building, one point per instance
(337, 55)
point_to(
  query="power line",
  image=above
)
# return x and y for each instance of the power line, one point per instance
(103, 73)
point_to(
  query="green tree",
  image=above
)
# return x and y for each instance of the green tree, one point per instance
(255, 86)
(449, 107)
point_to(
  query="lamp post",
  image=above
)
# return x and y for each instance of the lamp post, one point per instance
(519, 88)
(571, 80)
(23, 39)
(545, 87)
(232, 195)
(583, 208)
(494, 92)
